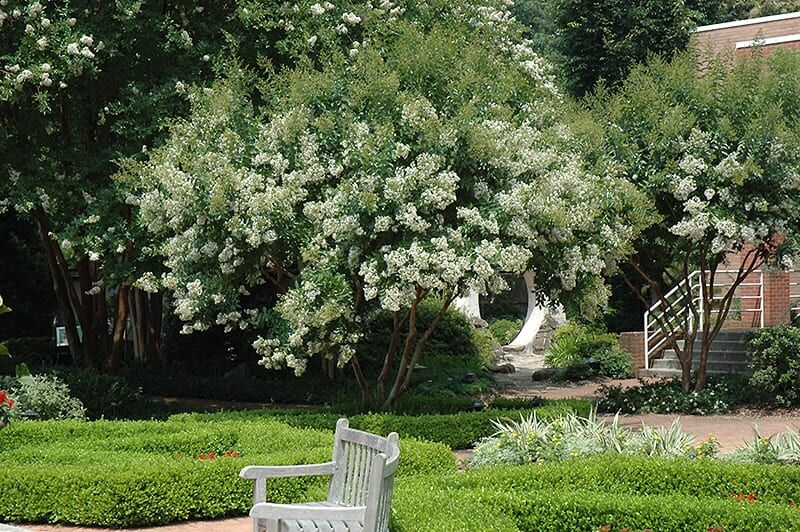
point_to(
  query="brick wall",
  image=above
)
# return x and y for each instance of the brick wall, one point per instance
(633, 343)
(711, 40)
(768, 49)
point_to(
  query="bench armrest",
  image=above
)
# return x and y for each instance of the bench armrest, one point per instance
(256, 472)
(266, 510)
(261, 473)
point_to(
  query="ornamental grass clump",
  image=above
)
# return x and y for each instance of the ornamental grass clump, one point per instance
(531, 440)
(781, 448)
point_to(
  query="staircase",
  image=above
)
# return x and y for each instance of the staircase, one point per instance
(727, 355)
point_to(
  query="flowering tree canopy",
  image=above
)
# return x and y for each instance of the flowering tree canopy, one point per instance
(419, 152)
(719, 155)
(83, 83)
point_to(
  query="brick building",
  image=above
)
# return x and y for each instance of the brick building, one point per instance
(740, 36)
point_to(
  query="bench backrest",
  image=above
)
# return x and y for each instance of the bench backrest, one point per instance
(364, 473)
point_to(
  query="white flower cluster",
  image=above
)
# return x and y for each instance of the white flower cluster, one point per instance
(44, 56)
(348, 212)
(720, 205)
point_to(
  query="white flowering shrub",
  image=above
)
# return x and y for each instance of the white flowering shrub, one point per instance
(419, 156)
(82, 85)
(719, 156)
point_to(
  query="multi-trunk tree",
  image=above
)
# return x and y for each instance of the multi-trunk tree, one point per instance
(718, 153)
(84, 84)
(416, 154)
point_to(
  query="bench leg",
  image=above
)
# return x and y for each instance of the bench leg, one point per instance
(266, 525)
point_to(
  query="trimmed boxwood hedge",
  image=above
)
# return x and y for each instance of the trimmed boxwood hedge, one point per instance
(419, 507)
(457, 431)
(126, 474)
(145, 473)
(636, 492)
(641, 475)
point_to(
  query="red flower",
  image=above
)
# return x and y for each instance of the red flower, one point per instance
(236, 455)
(3, 396)
(211, 456)
(201, 457)
(751, 497)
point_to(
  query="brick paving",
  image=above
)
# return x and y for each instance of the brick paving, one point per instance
(239, 524)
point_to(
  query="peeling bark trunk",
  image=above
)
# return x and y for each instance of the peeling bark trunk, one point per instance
(62, 298)
(114, 360)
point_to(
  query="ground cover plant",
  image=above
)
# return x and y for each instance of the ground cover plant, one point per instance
(531, 439)
(720, 395)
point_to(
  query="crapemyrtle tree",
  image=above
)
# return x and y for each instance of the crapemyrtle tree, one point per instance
(84, 84)
(718, 153)
(419, 152)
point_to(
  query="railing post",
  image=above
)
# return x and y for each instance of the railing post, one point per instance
(646, 341)
(761, 295)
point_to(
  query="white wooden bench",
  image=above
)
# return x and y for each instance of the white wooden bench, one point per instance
(360, 492)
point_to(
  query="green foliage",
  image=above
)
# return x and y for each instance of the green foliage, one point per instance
(775, 360)
(586, 494)
(147, 473)
(667, 397)
(457, 431)
(781, 448)
(718, 11)
(532, 440)
(48, 396)
(574, 346)
(452, 337)
(505, 330)
(485, 343)
(604, 40)
(103, 396)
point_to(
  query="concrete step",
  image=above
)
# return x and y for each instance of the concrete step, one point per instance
(725, 356)
(677, 372)
(711, 365)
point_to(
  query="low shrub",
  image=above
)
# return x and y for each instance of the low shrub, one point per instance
(531, 440)
(457, 431)
(617, 491)
(719, 396)
(582, 354)
(126, 474)
(505, 330)
(33, 351)
(48, 396)
(775, 360)
(104, 396)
